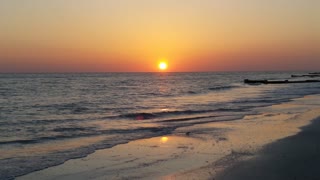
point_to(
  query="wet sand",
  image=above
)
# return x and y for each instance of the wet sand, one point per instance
(293, 158)
(220, 150)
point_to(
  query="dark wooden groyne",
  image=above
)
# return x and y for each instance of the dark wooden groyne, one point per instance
(248, 81)
(315, 73)
(312, 75)
(307, 75)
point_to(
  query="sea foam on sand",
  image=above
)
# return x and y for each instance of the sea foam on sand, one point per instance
(195, 152)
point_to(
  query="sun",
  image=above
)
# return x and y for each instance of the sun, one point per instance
(163, 66)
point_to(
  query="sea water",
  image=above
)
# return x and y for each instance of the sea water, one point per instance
(46, 119)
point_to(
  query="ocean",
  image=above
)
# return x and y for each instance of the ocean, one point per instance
(47, 119)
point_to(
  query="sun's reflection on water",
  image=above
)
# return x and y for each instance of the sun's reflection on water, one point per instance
(164, 139)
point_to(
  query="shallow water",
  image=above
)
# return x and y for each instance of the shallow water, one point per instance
(46, 119)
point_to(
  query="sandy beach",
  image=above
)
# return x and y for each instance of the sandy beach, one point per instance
(159, 89)
(257, 146)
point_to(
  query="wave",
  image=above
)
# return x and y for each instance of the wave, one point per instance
(265, 100)
(21, 165)
(195, 118)
(191, 92)
(69, 133)
(63, 129)
(41, 121)
(139, 116)
(17, 166)
(130, 116)
(143, 116)
(220, 88)
(74, 108)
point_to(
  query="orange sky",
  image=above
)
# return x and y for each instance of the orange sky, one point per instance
(126, 35)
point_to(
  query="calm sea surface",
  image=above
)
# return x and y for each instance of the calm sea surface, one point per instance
(46, 119)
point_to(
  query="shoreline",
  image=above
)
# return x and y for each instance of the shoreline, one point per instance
(203, 153)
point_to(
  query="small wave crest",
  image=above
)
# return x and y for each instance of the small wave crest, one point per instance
(74, 108)
(220, 88)
(143, 116)
(71, 133)
(191, 92)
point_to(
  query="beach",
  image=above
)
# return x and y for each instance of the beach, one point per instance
(278, 138)
(159, 89)
(294, 157)
(48, 119)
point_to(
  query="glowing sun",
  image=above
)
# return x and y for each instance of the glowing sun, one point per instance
(163, 66)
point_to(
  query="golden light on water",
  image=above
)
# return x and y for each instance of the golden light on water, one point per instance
(164, 139)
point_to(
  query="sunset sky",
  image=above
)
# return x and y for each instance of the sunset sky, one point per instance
(133, 35)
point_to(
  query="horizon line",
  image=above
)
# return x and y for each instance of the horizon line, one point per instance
(160, 72)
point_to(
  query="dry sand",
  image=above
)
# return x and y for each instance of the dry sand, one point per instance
(221, 150)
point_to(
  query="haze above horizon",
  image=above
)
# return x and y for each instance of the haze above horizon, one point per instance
(131, 36)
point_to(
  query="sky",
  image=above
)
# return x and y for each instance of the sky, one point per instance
(133, 35)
